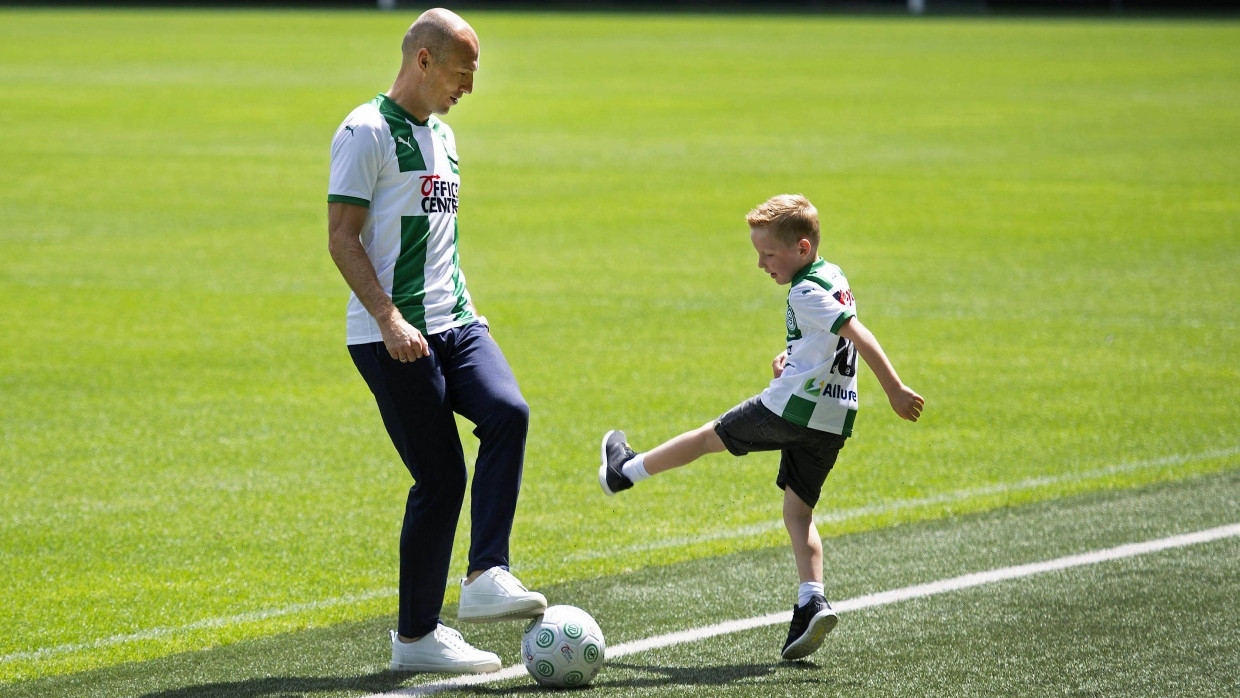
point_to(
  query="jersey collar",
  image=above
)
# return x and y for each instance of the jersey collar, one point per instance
(390, 104)
(806, 271)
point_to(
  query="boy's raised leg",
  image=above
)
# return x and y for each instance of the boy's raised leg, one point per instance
(621, 466)
(615, 452)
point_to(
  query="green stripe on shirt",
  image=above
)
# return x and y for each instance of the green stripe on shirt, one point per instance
(409, 274)
(408, 153)
(798, 410)
(342, 199)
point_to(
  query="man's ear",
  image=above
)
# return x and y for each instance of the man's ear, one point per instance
(803, 246)
(424, 59)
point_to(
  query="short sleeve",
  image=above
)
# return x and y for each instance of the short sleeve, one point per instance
(817, 307)
(355, 161)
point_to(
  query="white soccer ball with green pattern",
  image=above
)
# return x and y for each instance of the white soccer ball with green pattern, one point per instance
(563, 647)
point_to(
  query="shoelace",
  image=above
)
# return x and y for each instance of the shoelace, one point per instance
(452, 639)
(509, 582)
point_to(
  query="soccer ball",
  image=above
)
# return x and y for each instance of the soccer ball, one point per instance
(563, 647)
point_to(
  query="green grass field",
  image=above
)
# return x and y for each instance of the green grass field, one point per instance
(1155, 624)
(1040, 219)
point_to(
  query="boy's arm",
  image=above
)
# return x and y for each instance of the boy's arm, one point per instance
(777, 366)
(904, 401)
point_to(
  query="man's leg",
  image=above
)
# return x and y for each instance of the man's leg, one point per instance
(484, 391)
(417, 413)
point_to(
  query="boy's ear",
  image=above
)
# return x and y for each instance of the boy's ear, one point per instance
(803, 246)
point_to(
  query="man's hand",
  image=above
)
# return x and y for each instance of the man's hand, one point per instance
(344, 224)
(403, 341)
(777, 366)
(906, 403)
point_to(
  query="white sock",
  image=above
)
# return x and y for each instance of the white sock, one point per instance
(635, 468)
(807, 591)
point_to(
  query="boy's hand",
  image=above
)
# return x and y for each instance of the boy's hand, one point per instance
(906, 403)
(777, 366)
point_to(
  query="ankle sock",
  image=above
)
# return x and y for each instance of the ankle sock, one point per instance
(807, 591)
(635, 468)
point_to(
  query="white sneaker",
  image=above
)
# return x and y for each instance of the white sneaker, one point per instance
(442, 650)
(496, 595)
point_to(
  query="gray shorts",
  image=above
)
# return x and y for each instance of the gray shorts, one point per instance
(807, 455)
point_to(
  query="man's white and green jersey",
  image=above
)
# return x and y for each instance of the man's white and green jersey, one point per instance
(818, 388)
(406, 173)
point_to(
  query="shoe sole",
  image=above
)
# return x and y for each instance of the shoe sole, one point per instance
(532, 609)
(602, 469)
(448, 669)
(812, 638)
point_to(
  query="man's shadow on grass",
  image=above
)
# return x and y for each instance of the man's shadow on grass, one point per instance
(674, 676)
(378, 682)
(387, 681)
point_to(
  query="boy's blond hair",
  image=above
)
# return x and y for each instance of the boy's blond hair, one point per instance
(788, 218)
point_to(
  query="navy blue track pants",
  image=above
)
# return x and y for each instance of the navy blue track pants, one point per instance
(467, 374)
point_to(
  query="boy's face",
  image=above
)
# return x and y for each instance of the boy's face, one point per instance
(778, 259)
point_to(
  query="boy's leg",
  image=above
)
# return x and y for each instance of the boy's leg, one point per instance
(683, 449)
(621, 466)
(806, 545)
(812, 619)
(747, 427)
(802, 471)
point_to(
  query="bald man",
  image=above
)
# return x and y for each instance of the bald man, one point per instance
(423, 349)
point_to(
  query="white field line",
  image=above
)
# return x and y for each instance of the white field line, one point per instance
(857, 603)
(740, 532)
(206, 623)
(913, 503)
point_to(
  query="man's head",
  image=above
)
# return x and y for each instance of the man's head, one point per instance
(439, 56)
(784, 231)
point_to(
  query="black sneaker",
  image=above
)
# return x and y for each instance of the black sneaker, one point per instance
(615, 453)
(810, 624)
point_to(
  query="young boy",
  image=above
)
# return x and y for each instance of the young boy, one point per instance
(806, 412)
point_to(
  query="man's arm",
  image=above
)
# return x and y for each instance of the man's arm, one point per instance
(904, 401)
(344, 226)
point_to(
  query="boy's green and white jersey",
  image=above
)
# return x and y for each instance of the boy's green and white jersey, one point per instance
(406, 173)
(818, 388)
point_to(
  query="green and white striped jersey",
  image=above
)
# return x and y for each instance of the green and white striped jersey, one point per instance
(818, 388)
(406, 173)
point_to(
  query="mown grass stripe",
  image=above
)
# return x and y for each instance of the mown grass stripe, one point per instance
(220, 622)
(842, 515)
(911, 503)
(883, 598)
